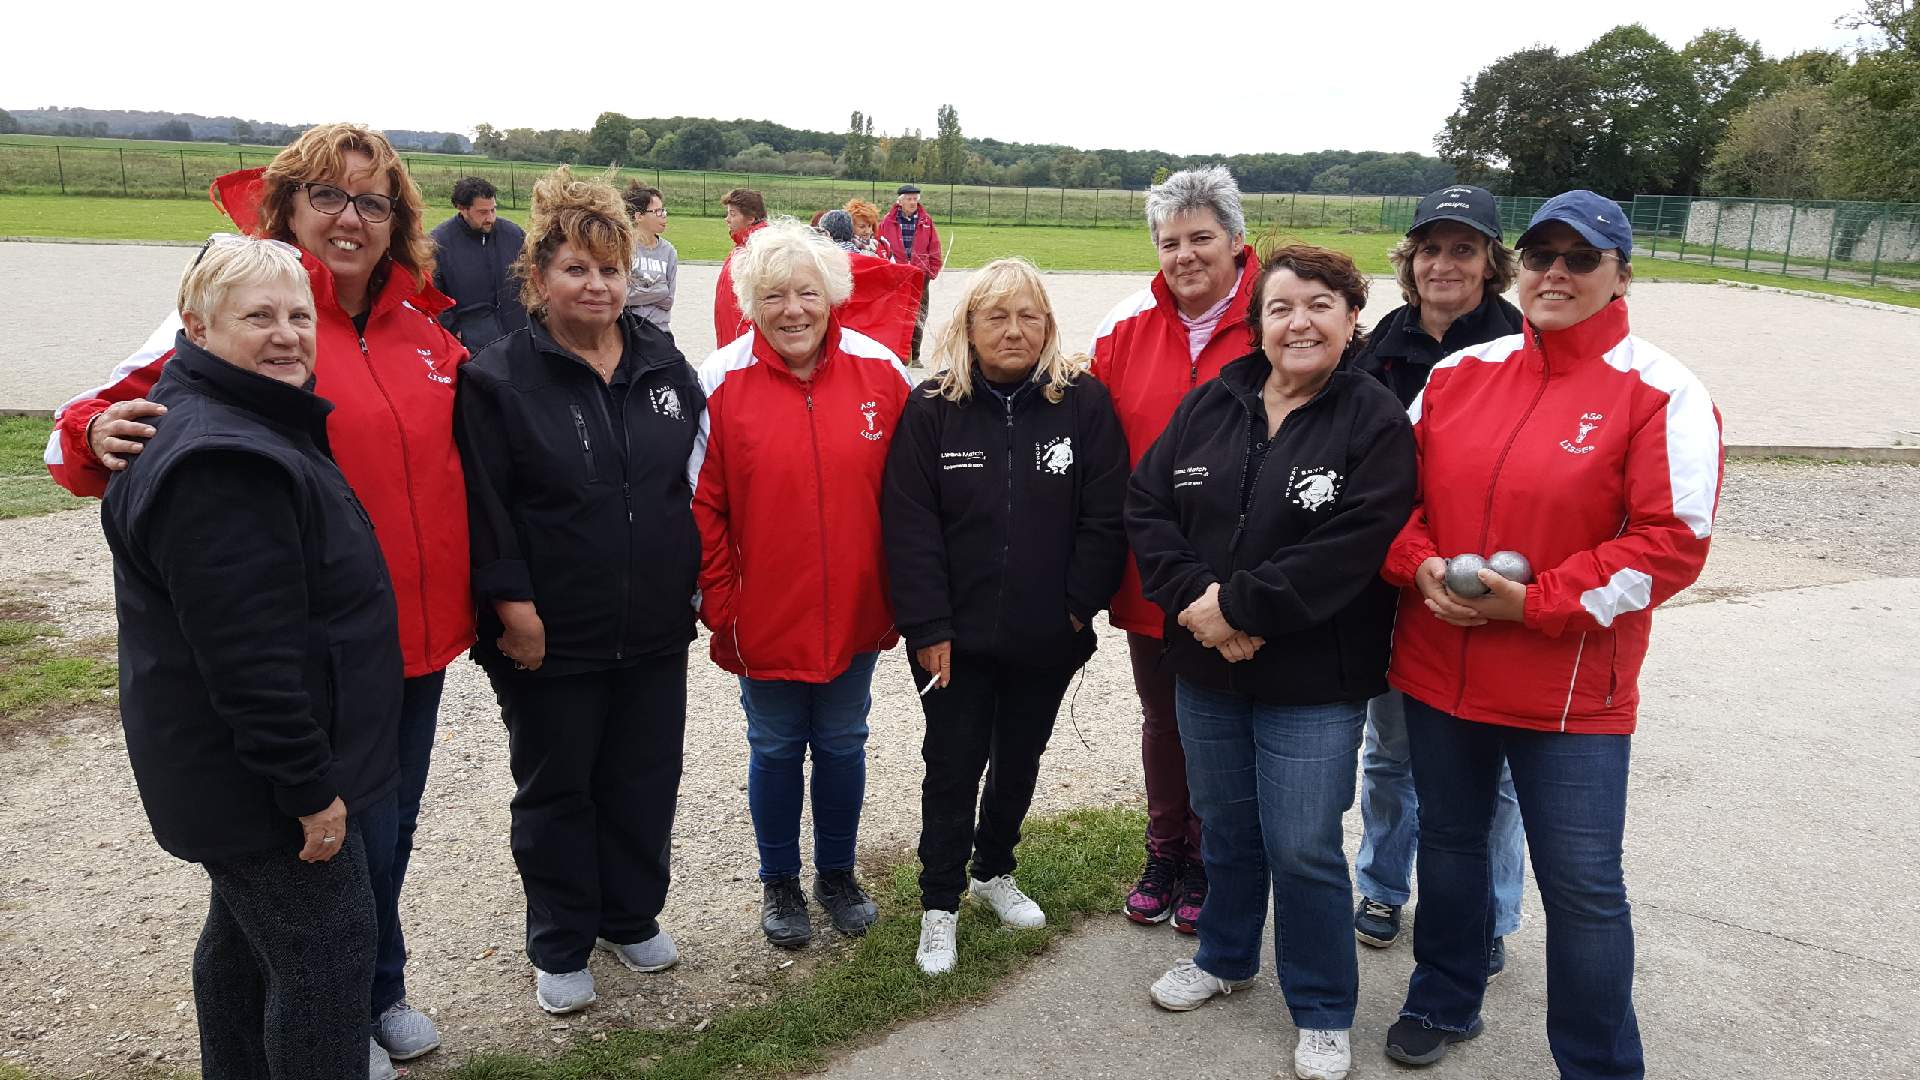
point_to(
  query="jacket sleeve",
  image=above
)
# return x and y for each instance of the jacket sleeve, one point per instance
(226, 539)
(450, 318)
(68, 458)
(1674, 459)
(1414, 543)
(912, 531)
(1100, 535)
(708, 473)
(935, 259)
(1306, 583)
(1172, 574)
(479, 427)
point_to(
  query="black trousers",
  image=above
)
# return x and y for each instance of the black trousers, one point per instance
(596, 764)
(284, 966)
(991, 716)
(920, 319)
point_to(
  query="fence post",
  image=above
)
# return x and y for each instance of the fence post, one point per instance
(1383, 213)
(1063, 205)
(1352, 208)
(1886, 222)
(1833, 233)
(703, 194)
(1793, 215)
(1753, 222)
(1685, 220)
(1719, 212)
(1293, 203)
(1026, 203)
(1129, 203)
(1659, 215)
(183, 174)
(989, 202)
(949, 200)
(123, 171)
(58, 164)
(513, 187)
(1096, 206)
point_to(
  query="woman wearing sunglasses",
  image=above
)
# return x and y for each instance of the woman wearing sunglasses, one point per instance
(1597, 457)
(342, 196)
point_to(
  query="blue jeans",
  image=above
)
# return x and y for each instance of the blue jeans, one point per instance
(1573, 794)
(389, 827)
(784, 721)
(1270, 783)
(1390, 824)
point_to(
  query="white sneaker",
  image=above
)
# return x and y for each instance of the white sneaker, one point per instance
(937, 952)
(1185, 987)
(1014, 907)
(1322, 1055)
(379, 1065)
(563, 992)
(657, 953)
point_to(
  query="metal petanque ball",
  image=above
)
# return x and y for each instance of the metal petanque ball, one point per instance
(1463, 576)
(1511, 565)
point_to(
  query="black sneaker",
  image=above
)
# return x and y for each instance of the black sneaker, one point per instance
(783, 914)
(1151, 900)
(1497, 959)
(1193, 897)
(1375, 923)
(851, 908)
(1416, 1042)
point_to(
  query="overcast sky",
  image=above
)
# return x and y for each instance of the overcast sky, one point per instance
(1240, 77)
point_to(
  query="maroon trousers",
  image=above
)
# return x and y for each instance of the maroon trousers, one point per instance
(1173, 829)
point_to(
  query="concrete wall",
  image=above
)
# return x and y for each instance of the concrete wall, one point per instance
(1811, 230)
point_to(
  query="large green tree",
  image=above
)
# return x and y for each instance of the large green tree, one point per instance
(1533, 113)
(952, 156)
(607, 141)
(858, 157)
(1730, 73)
(1776, 148)
(1647, 102)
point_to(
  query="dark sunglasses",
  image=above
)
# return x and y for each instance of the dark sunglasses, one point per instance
(333, 202)
(1579, 260)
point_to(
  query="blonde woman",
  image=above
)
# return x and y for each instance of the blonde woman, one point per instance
(1010, 443)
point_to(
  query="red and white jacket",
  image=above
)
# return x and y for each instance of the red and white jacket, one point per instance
(391, 432)
(786, 475)
(1140, 354)
(729, 322)
(1597, 456)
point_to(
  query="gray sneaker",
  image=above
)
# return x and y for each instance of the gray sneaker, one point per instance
(568, 991)
(379, 1065)
(657, 953)
(405, 1032)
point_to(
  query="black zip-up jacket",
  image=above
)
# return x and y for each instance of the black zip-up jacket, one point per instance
(475, 270)
(260, 670)
(1002, 518)
(1294, 529)
(1401, 354)
(578, 496)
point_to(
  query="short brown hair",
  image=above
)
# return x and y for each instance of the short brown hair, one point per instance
(322, 151)
(1500, 259)
(1334, 269)
(639, 196)
(588, 214)
(862, 210)
(747, 201)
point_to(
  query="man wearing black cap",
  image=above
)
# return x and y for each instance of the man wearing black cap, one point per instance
(909, 231)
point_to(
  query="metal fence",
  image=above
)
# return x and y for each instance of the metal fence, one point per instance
(42, 168)
(1861, 242)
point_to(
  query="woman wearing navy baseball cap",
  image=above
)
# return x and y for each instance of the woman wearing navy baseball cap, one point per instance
(1597, 456)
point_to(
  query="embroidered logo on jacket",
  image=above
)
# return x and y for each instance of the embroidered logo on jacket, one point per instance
(870, 410)
(1055, 456)
(1579, 444)
(433, 373)
(1189, 476)
(666, 402)
(1311, 489)
(963, 459)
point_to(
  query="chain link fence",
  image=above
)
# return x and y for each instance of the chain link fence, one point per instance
(1861, 242)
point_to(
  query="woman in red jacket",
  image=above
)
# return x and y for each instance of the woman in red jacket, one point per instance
(1596, 456)
(787, 472)
(342, 195)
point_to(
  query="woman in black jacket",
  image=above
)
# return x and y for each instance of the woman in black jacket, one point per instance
(260, 670)
(575, 433)
(1001, 514)
(1260, 519)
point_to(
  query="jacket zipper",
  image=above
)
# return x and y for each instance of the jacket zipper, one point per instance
(626, 498)
(1486, 515)
(1000, 601)
(413, 517)
(820, 504)
(586, 445)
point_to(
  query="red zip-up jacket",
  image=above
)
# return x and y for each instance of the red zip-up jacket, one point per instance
(925, 254)
(1597, 456)
(729, 322)
(787, 479)
(1140, 353)
(391, 433)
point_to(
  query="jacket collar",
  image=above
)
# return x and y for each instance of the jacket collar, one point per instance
(739, 236)
(269, 399)
(1402, 337)
(1246, 378)
(1249, 262)
(773, 361)
(636, 352)
(1593, 336)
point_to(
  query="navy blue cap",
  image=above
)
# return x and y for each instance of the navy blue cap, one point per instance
(908, 189)
(1464, 203)
(1599, 220)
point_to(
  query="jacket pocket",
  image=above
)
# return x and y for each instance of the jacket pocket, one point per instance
(586, 441)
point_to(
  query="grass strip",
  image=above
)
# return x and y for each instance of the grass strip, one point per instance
(25, 488)
(40, 672)
(1075, 865)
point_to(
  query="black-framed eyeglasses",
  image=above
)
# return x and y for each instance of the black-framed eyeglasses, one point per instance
(333, 202)
(1579, 260)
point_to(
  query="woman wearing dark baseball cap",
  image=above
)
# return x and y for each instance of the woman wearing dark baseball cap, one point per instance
(1596, 455)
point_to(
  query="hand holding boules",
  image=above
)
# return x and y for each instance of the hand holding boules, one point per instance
(1463, 576)
(1430, 580)
(1511, 565)
(1492, 589)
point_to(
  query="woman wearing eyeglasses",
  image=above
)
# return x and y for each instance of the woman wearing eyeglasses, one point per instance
(1597, 457)
(342, 195)
(656, 265)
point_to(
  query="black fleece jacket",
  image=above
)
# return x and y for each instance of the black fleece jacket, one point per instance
(1002, 517)
(1401, 354)
(578, 497)
(260, 671)
(1294, 530)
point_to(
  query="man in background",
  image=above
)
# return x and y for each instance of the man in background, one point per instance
(908, 232)
(477, 248)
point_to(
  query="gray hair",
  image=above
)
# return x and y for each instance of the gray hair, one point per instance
(1211, 189)
(785, 245)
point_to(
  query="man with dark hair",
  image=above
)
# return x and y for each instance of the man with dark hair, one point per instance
(746, 213)
(908, 231)
(477, 248)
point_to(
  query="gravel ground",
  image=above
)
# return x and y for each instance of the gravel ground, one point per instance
(97, 925)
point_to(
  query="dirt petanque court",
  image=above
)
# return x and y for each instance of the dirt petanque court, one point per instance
(1773, 838)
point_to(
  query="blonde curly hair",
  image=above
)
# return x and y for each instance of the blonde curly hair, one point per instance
(590, 215)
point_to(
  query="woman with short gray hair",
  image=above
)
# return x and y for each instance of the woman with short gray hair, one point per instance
(1153, 347)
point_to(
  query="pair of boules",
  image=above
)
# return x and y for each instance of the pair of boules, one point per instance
(1463, 572)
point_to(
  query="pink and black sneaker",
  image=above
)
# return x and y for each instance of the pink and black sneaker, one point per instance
(1193, 897)
(1151, 900)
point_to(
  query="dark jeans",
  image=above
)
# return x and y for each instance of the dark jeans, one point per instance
(991, 716)
(1271, 782)
(1573, 799)
(596, 764)
(283, 965)
(786, 720)
(389, 828)
(1173, 828)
